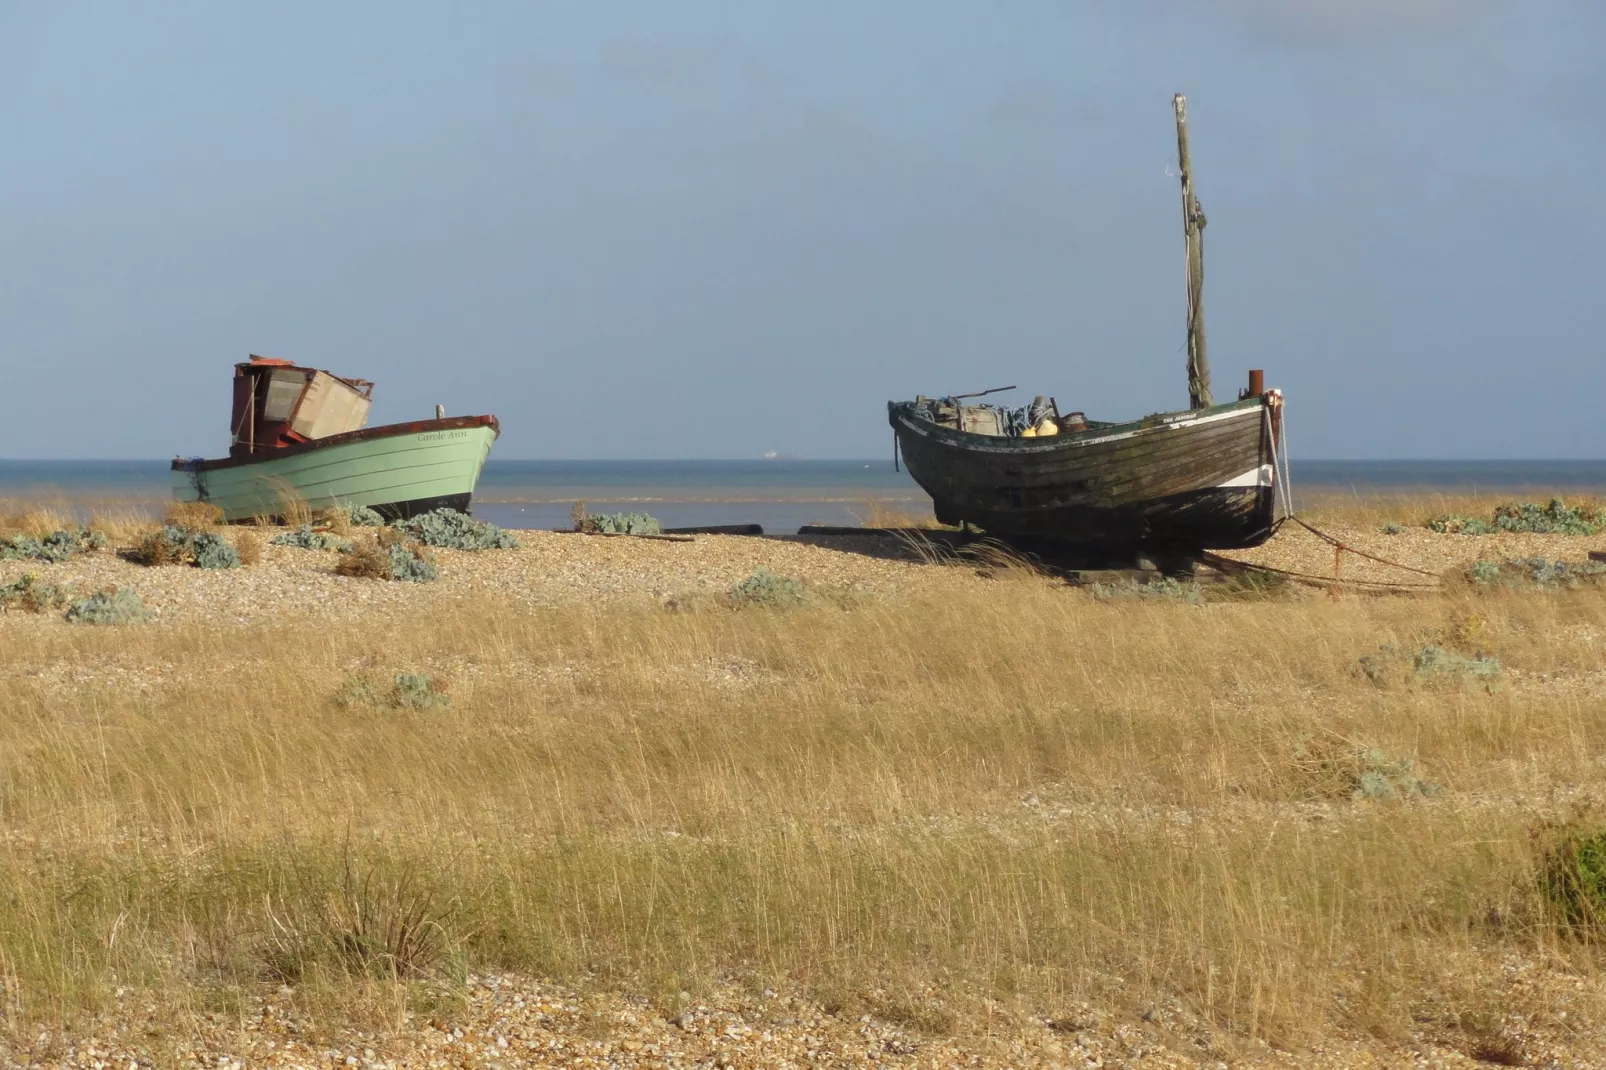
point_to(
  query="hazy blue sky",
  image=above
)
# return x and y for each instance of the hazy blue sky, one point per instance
(699, 229)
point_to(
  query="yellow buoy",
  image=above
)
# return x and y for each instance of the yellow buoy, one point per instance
(1048, 427)
(1030, 432)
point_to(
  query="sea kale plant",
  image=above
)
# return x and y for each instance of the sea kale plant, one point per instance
(769, 590)
(1554, 518)
(306, 537)
(388, 556)
(451, 530)
(30, 595)
(1390, 664)
(1537, 572)
(621, 524)
(56, 547)
(174, 545)
(407, 691)
(114, 605)
(179, 545)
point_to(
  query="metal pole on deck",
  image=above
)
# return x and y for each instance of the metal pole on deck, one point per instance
(1193, 221)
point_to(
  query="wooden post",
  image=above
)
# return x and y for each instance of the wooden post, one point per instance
(1193, 222)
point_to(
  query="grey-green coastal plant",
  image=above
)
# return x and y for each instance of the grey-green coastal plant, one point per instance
(54, 548)
(449, 529)
(769, 590)
(306, 537)
(174, 545)
(31, 595)
(113, 606)
(622, 524)
(406, 691)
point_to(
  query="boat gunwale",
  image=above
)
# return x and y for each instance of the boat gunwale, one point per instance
(449, 423)
(971, 441)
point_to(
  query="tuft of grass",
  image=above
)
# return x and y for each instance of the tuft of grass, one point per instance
(193, 516)
(248, 546)
(881, 514)
(379, 923)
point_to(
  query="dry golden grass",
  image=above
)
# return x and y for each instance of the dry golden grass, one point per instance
(248, 544)
(879, 514)
(1023, 792)
(37, 519)
(368, 560)
(194, 516)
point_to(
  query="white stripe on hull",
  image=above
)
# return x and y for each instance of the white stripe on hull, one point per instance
(1263, 476)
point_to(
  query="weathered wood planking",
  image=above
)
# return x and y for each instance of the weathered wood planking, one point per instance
(1201, 479)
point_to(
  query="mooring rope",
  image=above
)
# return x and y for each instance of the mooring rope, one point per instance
(1340, 547)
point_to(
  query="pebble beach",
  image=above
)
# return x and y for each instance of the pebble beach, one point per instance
(562, 568)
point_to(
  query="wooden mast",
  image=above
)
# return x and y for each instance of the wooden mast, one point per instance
(1193, 222)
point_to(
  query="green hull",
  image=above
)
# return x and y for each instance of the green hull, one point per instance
(373, 468)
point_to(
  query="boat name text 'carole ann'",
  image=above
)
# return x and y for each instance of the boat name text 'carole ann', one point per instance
(438, 436)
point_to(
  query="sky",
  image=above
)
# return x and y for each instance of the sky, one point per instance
(714, 229)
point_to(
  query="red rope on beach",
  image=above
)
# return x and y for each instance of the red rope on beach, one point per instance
(1360, 553)
(1227, 564)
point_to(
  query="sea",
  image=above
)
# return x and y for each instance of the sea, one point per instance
(781, 495)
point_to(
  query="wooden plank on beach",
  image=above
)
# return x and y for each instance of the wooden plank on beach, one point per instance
(718, 529)
(951, 538)
(829, 529)
(1597, 555)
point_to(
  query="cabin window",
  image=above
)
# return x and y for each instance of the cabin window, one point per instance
(284, 390)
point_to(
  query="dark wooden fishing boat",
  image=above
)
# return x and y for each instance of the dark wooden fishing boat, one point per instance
(1192, 480)
(1201, 478)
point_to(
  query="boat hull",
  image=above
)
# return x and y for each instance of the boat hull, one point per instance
(399, 470)
(1203, 479)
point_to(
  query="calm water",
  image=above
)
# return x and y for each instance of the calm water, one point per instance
(779, 494)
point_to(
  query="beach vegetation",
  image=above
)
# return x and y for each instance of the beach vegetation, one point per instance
(388, 556)
(767, 589)
(1572, 878)
(307, 537)
(111, 606)
(30, 594)
(998, 810)
(451, 530)
(52, 548)
(619, 524)
(405, 691)
(173, 545)
(1555, 517)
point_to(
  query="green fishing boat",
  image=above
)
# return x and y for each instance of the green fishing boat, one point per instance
(298, 436)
